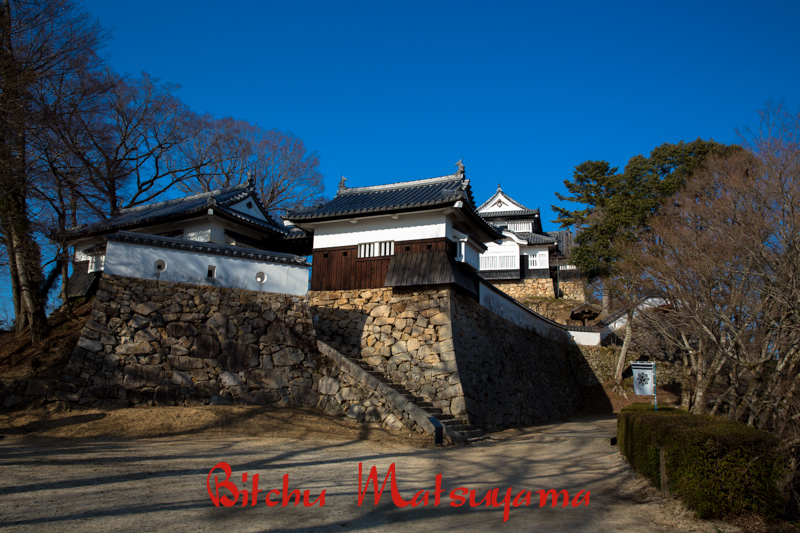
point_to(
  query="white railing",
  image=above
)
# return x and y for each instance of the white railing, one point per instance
(523, 227)
(376, 249)
(567, 267)
(499, 262)
(537, 261)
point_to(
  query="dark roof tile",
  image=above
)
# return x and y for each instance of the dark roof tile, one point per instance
(523, 213)
(388, 198)
(534, 238)
(220, 199)
(82, 282)
(206, 248)
(395, 198)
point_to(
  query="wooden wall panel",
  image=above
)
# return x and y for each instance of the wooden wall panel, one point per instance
(423, 245)
(340, 268)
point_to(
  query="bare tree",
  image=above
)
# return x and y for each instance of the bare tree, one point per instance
(286, 173)
(725, 256)
(721, 257)
(132, 145)
(39, 40)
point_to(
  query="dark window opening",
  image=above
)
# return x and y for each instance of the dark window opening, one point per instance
(212, 271)
(344, 254)
(325, 255)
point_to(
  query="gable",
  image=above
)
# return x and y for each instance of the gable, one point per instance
(500, 202)
(252, 207)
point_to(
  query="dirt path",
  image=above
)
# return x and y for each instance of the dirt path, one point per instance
(100, 484)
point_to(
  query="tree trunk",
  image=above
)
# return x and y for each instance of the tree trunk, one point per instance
(699, 407)
(686, 393)
(606, 306)
(27, 264)
(20, 318)
(623, 354)
(66, 305)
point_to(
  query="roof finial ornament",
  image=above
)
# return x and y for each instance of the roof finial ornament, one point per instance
(341, 183)
(498, 186)
(251, 182)
(460, 166)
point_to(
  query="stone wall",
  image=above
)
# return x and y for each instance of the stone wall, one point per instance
(447, 348)
(510, 375)
(164, 343)
(572, 289)
(526, 288)
(405, 334)
(22, 392)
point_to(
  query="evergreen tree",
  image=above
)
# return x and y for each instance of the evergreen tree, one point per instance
(618, 204)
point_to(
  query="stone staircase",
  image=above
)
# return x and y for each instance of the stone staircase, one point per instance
(460, 425)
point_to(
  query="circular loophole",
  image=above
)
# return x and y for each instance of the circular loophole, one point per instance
(249, 205)
(261, 277)
(161, 265)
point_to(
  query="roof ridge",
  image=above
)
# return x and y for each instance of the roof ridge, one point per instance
(242, 186)
(124, 236)
(510, 213)
(402, 184)
(241, 214)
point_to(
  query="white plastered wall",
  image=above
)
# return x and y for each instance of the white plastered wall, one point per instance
(505, 307)
(407, 227)
(208, 229)
(508, 250)
(505, 205)
(138, 261)
(541, 254)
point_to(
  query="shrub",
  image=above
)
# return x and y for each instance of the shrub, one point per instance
(717, 466)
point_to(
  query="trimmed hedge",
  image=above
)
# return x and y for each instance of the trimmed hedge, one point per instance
(717, 466)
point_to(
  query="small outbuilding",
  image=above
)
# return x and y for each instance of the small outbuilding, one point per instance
(221, 238)
(584, 312)
(408, 233)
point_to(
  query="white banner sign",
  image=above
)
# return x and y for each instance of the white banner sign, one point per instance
(644, 378)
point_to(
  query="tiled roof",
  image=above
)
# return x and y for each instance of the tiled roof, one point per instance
(433, 192)
(592, 329)
(534, 238)
(511, 214)
(82, 282)
(297, 233)
(586, 306)
(611, 318)
(396, 198)
(244, 217)
(220, 200)
(206, 248)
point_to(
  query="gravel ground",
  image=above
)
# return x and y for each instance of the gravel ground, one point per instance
(58, 477)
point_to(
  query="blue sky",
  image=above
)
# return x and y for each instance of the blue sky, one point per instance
(523, 91)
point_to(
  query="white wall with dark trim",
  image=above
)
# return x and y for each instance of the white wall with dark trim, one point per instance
(139, 261)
